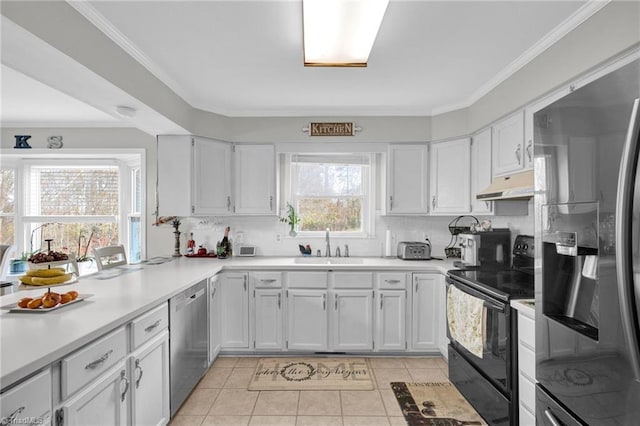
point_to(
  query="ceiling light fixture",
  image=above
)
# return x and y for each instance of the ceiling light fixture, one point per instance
(340, 33)
(126, 111)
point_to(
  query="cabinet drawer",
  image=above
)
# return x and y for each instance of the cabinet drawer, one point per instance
(353, 280)
(392, 281)
(307, 279)
(527, 393)
(267, 279)
(148, 325)
(31, 398)
(526, 331)
(91, 361)
(527, 362)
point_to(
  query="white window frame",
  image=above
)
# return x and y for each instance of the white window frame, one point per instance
(126, 159)
(17, 200)
(368, 204)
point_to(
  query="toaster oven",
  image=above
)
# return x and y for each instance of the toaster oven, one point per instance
(414, 250)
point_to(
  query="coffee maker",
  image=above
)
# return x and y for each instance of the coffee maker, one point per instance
(490, 249)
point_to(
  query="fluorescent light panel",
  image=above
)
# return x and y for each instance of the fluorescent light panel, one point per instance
(340, 32)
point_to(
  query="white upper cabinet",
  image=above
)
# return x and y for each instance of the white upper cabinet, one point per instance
(202, 176)
(450, 176)
(480, 170)
(407, 190)
(255, 179)
(508, 145)
(211, 177)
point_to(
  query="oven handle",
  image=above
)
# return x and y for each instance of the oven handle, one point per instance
(490, 303)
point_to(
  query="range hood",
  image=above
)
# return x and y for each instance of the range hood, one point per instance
(517, 186)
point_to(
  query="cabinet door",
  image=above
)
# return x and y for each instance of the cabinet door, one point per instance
(211, 177)
(407, 179)
(268, 319)
(352, 320)
(234, 310)
(508, 145)
(150, 382)
(255, 179)
(480, 170)
(391, 320)
(174, 156)
(30, 399)
(425, 312)
(214, 318)
(450, 176)
(307, 319)
(104, 402)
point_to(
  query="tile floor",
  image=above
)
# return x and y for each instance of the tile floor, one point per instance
(222, 398)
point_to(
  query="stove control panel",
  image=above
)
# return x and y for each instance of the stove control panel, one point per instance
(524, 246)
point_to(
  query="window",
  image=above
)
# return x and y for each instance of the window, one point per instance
(135, 237)
(332, 191)
(7, 205)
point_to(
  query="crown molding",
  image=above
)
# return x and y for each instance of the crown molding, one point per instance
(564, 28)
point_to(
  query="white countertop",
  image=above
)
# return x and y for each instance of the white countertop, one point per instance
(31, 341)
(525, 306)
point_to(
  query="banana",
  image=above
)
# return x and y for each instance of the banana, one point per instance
(46, 273)
(26, 279)
(51, 280)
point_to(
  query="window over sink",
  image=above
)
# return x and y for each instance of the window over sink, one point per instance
(331, 191)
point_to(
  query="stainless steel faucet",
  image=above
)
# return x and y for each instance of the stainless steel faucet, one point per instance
(346, 250)
(338, 252)
(328, 248)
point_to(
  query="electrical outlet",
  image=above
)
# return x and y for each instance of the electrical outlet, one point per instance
(425, 236)
(278, 238)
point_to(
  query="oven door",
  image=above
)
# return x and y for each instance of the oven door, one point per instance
(495, 350)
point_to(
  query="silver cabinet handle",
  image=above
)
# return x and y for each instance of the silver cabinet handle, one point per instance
(138, 367)
(271, 202)
(381, 299)
(549, 415)
(518, 149)
(228, 203)
(12, 418)
(416, 285)
(486, 203)
(390, 202)
(123, 376)
(98, 361)
(273, 280)
(392, 281)
(279, 300)
(529, 146)
(152, 326)
(324, 302)
(213, 293)
(433, 202)
(244, 283)
(336, 303)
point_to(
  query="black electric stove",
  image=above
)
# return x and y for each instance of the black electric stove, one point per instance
(515, 282)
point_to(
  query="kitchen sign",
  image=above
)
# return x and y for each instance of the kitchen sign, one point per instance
(331, 129)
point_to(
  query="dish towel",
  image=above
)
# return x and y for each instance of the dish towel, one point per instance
(464, 315)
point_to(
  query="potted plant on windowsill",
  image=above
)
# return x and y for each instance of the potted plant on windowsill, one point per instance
(291, 219)
(85, 257)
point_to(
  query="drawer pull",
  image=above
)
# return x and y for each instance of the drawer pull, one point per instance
(392, 281)
(126, 384)
(279, 300)
(272, 280)
(12, 418)
(141, 373)
(98, 361)
(152, 326)
(549, 415)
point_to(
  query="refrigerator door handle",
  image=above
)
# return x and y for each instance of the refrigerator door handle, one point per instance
(624, 248)
(552, 419)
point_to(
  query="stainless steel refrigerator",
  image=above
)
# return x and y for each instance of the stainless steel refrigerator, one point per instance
(587, 213)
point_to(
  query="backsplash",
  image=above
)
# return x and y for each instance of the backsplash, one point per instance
(263, 232)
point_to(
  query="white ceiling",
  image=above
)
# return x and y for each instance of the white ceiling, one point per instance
(244, 58)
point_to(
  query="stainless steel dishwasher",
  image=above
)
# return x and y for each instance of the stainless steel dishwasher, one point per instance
(188, 341)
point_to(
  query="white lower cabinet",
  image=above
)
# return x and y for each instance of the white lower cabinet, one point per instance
(234, 310)
(268, 319)
(104, 402)
(29, 400)
(526, 364)
(391, 320)
(150, 382)
(425, 311)
(307, 320)
(215, 342)
(352, 320)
